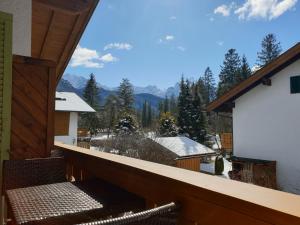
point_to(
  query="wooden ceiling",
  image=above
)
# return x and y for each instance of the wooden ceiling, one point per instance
(57, 26)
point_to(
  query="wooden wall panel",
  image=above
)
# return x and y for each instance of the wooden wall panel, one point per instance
(62, 121)
(226, 141)
(189, 163)
(33, 94)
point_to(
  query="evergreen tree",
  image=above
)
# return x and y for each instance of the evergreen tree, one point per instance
(111, 107)
(91, 96)
(126, 125)
(245, 69)
(91, 92)
(126, 97)
(173, 105)
(166, 105)
(167, 126)
(160, 108)
(198, 116)
(144, 115)
(271, 49)
(149, 115)
(184, 108)
(230, 72)
(209, 86)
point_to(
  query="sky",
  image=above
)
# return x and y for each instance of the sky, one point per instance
(154, 42)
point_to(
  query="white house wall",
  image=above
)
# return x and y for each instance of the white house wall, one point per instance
(70, 139)
(266, 125)
(22, 13)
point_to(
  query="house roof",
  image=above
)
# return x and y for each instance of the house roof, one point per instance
(71, 102)
(224, 103)
(57, 26)
(183, 146)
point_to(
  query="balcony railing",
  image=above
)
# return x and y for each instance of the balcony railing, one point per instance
(205, 199)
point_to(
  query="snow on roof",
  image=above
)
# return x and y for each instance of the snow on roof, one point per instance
(183, 146)
(71, 102)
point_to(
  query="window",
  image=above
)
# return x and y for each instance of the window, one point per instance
(295, 84)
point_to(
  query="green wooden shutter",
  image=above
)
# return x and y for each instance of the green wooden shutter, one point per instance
(5, 93)
(5, 83)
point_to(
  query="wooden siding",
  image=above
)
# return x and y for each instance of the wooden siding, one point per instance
(33, 96)
(62, 121)
(205, 199)
(226, 141)
(189, 163)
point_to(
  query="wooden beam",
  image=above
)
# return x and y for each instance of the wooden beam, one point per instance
(67, 6)
(266, 81)
(46, 35)
(63, 64)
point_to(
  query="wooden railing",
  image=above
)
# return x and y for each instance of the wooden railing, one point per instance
(205, 199)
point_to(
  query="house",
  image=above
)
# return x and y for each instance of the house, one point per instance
(32, 61)
(265, 110)
(67, 107)
(187, 153)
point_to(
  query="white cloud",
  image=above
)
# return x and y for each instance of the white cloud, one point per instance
(173, 18)
(90, 58)
(107, 58)
(119, 46)
(86, 57)
(181, 48)
(220, 43)
(224, 10)
(265, 9)
(169, 38)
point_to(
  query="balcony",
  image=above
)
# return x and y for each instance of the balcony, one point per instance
(205, 199)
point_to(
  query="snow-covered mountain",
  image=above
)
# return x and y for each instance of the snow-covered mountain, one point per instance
(79, 82)
(150, 89)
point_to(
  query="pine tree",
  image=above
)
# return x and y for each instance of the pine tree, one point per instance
(144, 115)
(91, 92)
(209, 86)
(173, 105)
(149, 115)
(126, 97)
(198, 117)
(91, 96)
(126, 125)
(167, 127)
(160, 108)
(230, 72)
(166, 105)
(184, 108)
(271, 49)
(111, 112)
(245, 69)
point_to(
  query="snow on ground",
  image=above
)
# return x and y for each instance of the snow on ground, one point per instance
(101, 137)
(183, 146)
(210, 168)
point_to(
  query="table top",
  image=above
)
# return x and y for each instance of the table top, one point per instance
(48, 201)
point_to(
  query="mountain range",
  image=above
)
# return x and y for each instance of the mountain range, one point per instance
(79, 82)
(140, 98)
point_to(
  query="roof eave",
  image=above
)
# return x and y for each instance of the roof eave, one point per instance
(224, 103)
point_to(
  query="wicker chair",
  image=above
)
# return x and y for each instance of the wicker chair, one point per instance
(162, 215)
(32, 174)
